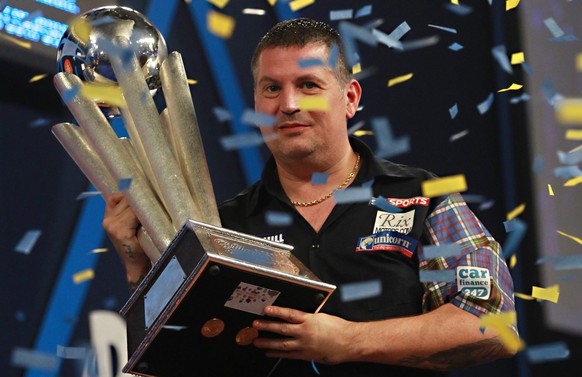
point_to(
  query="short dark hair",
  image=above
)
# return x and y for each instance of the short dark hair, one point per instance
(300, 32)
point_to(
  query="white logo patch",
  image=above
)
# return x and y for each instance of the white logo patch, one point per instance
(394, 222)
(474, 281)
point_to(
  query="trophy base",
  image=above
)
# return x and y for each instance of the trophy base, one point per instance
(193, 313)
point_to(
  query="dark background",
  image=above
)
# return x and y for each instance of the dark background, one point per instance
(39, 183)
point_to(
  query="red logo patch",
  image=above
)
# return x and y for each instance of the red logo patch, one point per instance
(407, 202)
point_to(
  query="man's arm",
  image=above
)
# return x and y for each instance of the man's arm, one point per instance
(443, 339)
(121, 225)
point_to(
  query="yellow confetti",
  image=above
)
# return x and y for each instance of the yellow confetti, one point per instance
(456, 2)
(359, 133)
(99, 250)
(84, 275)
(272, 2)
(111, 95)
(573, 181)
(572, 237)
(219, 3)
(569, 111)
(513, 86)
(501, 322)
(512, 261)
(192, 82)
(220, 24)
(443, 186)
(296, 5)
(523, 296)
(550, 190)
(510, 4)
(37, 77)
(517, 58)
(549, 294)
(399, 79)
(313, 103)
(516, 212)
(573, 135)
(16, 41)
(356, 69)
(579, 61)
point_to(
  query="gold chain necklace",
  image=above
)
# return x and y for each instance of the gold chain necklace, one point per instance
(325, 197)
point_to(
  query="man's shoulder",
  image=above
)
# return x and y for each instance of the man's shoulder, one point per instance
(393, 169)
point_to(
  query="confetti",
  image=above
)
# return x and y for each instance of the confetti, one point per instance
(71, 352)
(516, 211)
(436, 275)
(484, 106)
(573, 182)
(567, 172)
(221, 114)
(123, 184)
(458, 135)
(399, 79)
(470, 198)
(239, 141)
(387, 145)
(312, 62)
(568, 262)
(523, 296)
(192, 82)
(174, 328)
(356, 127)
(420, 43)
(256, 12)
(572, 157)
(366, 10)
(39, 122)
(319, 178)
(111, 95)
(333, 56)
(386, 40)
(32, 359)
(549, 294)
(352, 195)
(314, 367)
(500, 54)
(486, 205)
(277, 218)
(219, 3)
(20, 316)
(296, 5)
(513, 86)
(87, 194)
(360, 290)
(83, 276)
(547, 352)
(456, 47)
(459, 9)
(37, 77)
(352, 33)
(456, 2)
(553, 27)
(538, 164)
(448, 29)
(99, 250)
(573, 135)
(313, 103)
(27, 241)
(550, 190)
(32, 16)
(517, 58)
(501, 322)
(399, 32)
(383, 204)
(518, 229)
(510, 4)
(523, 98)
(258, 119)
(512, 261)
(220, 24)
(361, 133)
(571, 237)
(443, 186)
(16, 41)
(444, 251)
(341, 14)
(453, 111)
(356, 69)
(272, 2)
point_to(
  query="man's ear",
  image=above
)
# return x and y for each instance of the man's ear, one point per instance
(353, 96)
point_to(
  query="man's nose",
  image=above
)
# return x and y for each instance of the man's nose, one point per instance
(289, 102)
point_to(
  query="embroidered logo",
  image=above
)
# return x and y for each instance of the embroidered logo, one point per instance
(474, 281)
(275, 238)
(388, 240)
(396, 222)
(407, 202)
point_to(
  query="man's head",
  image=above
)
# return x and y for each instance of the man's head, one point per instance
(298, 33)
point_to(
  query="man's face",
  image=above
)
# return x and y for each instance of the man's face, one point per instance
(281, 86)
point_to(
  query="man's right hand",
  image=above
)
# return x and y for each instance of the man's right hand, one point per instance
(121, 225)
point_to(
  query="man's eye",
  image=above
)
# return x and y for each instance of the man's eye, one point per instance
(272, 88)
(309, 85)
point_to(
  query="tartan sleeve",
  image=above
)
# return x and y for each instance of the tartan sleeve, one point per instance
(453, 222)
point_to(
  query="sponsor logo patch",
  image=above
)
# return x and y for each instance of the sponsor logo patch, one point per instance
(388, 240)
(395, 222)
(407, 202)
(474, 281)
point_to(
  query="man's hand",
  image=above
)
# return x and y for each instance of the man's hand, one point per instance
(319, 337)
(121, 225)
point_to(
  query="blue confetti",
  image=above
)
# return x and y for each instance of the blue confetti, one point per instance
(445, 251)
(366, 10)
(522, 98)
(383, 204)
(436, 275)
(221, 114)
(39, 122)
(239, 141)
(514, 236)
(32, 359)
(123, 184)
(447, 29)
(258, 119)
(570, 158)
(386, 40)
(538, 164)
(71, 352)
(453, 111)
(458, 135)
(565, 38)
(553, 27)
(28, 241)
(32, 16)
(350, 33)
(400, 30)
(360, 290)
(20, 315)
(314, 367)
(568, 262)
(341, 14)
(527, 67)
(356, 127)
(368, 183)
(319, 178)
(459, 9)
(547, 352)
(420, 43)
(387, 145)
(486, 205)
(352, 195)
(456, 47)
(333, 56)
(500, 54)
(549, 259)
(87, 194)
(311, 62)
(473, 198)
(277, 218)
(549, 92)
(567, 172)
(484, 106)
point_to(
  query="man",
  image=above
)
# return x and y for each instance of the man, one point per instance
(411, 328)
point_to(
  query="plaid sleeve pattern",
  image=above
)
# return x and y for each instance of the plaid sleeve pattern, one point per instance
(453, 222)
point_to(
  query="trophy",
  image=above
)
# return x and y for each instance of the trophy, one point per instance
(192, 313)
